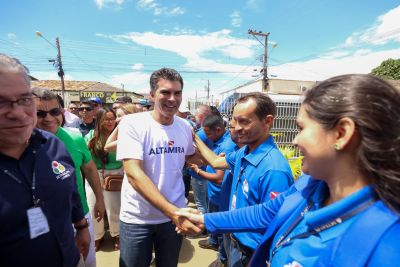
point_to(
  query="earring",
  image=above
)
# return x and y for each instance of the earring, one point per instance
(338, 147)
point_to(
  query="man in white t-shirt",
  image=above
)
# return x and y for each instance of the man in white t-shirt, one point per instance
(153, 146)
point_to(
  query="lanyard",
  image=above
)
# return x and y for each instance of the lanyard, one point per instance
(33, 185)
(283, 240)
(233, 203)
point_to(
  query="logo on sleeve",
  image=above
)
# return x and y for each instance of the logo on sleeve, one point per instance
(60, 170)
(273, 195)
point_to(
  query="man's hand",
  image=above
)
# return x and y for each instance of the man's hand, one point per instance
(192, 216)
(82, 241)
(99, 209)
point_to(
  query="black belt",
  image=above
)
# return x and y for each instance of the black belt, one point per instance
(244, 249)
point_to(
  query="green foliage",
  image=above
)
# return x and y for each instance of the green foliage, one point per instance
(294, 162)
(388, 69)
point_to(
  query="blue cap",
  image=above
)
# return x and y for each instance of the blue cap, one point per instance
(95, 99)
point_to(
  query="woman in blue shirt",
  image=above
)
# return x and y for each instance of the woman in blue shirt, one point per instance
(345, 210)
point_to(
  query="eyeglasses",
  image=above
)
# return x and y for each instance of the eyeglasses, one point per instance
(85, 109)
(26, 101)
(53, 112)
(72, 108)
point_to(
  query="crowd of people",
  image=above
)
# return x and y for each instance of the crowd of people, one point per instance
(343, 210)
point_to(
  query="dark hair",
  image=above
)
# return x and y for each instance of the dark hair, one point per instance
(374, 106)
(45, 94)
(166, 74)
(214, 121)
(98, 141)
(123, 99)
(60, 101)
(215, 111)
(265, 105)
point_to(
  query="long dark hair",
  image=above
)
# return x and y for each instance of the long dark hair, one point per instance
(374, 106)
(98, 141)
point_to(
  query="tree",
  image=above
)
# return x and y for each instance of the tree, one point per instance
(388, 69)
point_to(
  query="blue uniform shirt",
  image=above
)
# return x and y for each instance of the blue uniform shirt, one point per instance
(223, 145)
(47, 157)
(226, 186)
(369, 238)
(306, 250)
(202, 135)
(257, 176)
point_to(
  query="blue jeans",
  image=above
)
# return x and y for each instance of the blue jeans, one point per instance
(236, 257)
(217, 239)
(137, 242)
(200, 194)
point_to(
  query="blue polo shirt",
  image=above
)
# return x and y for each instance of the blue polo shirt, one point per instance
(257, 177)
(48, 159)
(202, 135)
(223, 145)
(226, 186)
(306, 251)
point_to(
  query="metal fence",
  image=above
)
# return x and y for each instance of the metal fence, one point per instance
(284, 128)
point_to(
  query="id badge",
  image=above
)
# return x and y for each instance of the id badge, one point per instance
(233, 203)
(38, 224)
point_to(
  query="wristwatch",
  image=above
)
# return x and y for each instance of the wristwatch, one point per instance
(82, 226)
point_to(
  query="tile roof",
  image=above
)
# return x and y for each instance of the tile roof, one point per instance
(79, 86)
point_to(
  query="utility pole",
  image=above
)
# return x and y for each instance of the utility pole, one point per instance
(57, 64)
(60, 68)
(265, 63)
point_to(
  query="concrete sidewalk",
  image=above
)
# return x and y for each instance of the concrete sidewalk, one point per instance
(191, 254)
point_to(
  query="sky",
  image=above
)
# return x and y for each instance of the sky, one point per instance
(121, 42)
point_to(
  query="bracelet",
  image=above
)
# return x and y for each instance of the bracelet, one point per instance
(82, 226)
(198, 171)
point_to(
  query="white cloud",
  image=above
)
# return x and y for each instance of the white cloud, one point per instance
(11, 36)
(137, 66)
(323, 68)
(236, 20)
(193, 47)
(253, 4)
(385, 30)
(133, 81)
(335, 54)
(158, 10)
(201, 52)
(102, 3)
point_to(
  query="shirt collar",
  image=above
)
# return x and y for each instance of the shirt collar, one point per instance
(221, 139)
(255, 156)
(339, 208)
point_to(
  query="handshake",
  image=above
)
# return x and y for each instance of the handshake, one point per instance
(189, 221)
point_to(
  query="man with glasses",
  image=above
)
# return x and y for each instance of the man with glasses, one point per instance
(50, 118)
(38, 194)
(96, 104)
(87, 114)
(73, 108)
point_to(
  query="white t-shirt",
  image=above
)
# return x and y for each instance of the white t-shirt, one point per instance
(162, 148)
